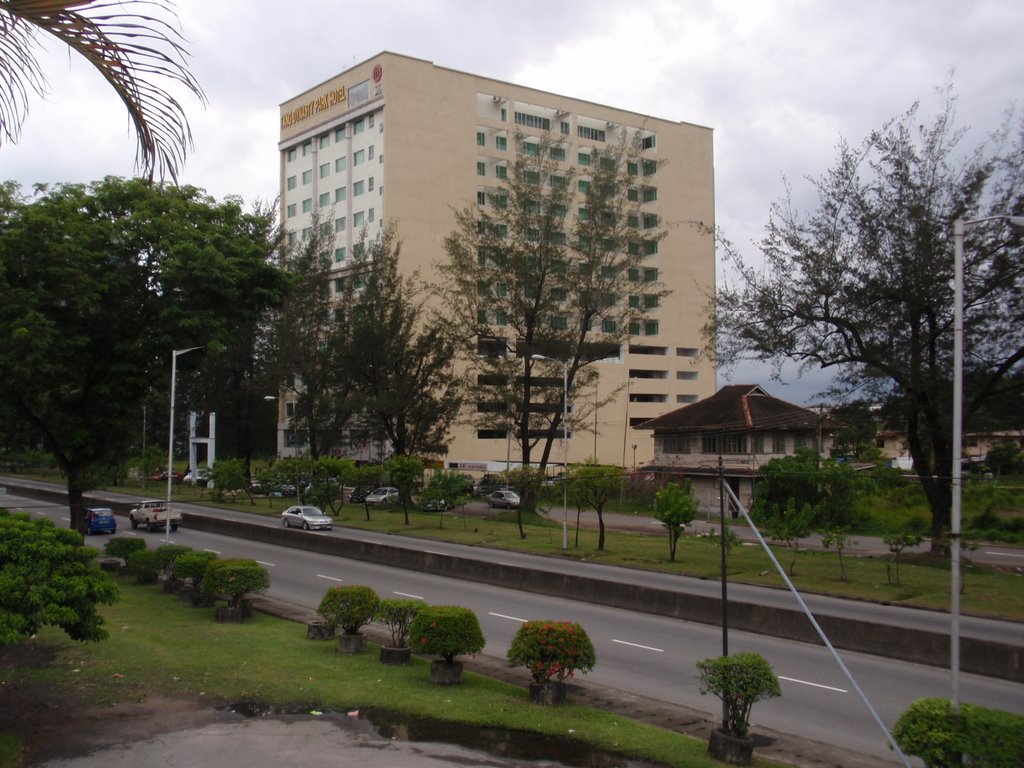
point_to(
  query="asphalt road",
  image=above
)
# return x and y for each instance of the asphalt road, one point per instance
(650, 655)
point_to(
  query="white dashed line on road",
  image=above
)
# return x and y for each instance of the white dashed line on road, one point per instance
(503, 616)
(406, 594)
(813, 685)
(637, 645)
(329, 578)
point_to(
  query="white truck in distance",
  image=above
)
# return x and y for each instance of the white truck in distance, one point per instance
(153, 514)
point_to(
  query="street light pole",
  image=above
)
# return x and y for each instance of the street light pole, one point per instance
(170, 437)
(565, 445)
(956, 476)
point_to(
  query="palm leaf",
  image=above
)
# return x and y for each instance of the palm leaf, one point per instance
(139, 54)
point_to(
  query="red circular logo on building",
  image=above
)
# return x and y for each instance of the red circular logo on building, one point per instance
(378, 71)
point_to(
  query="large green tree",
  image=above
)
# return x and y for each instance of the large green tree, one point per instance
(139, 54)
(863, 282)
(98, 284)
(551, 266)
(399, 353)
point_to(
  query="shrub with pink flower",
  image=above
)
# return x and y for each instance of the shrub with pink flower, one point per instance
(552, 650)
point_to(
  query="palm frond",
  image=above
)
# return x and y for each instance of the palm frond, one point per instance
(140, 54)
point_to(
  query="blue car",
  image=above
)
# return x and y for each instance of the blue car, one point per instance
(100, 520)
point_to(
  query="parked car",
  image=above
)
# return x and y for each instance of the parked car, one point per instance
(358, 495)
(385, 495)
(199, 475)
(100, 520)
(307, 518)
(435, 505)
(504, 499)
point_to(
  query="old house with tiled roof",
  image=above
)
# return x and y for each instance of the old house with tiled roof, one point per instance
(742, 424)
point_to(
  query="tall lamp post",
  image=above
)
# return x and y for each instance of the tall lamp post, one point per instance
(170, 437)
(959, 226)
(565, 445)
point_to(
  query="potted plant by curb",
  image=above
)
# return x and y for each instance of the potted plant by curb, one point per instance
(397, 616)
(121, 547)
(446, 631)
(739, 680)
(233, 580)
(144, 565)
(190, 568)
(552, 651)
(349, 607)
(167, 555)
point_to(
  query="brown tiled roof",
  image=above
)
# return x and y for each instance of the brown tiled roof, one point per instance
(736, 408)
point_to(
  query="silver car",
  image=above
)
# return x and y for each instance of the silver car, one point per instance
(307, 518)
(385, 495)
(504, 499)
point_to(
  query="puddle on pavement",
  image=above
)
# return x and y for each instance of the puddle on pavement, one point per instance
(517, 745)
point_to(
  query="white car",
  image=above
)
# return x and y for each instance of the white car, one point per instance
(504, 499)
(307, 518)
(386, 495)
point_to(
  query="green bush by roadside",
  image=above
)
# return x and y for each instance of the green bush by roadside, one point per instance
(123, 546)
(552, 650)
(974, 736)
(349, 607)
(144, 565)
(446, 631)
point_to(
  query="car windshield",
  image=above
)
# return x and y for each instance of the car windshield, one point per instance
(309, 511)
(102, 512)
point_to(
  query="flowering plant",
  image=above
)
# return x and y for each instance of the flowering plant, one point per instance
(552, 650)
(446, 631)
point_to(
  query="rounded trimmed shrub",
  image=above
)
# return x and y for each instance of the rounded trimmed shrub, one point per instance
(446, 631)
(739, 681)
(349, 607)
(167, 555)
(235, 579)
(974, 736)
(144, 565)
(192, 565)
(397, 615)
(552, 650)
(123, 546)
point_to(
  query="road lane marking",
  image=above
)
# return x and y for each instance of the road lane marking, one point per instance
(406, 594)
(813, 685)
(636, 645)
(214, 551)
(434, 552)
(1002, 554)
(510, 618)
(329, 578)
(269, 565)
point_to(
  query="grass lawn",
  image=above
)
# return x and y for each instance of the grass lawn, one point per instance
(160, 646)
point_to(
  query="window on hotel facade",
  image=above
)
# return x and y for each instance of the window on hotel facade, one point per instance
(307, 147)
(650, 220)
(291, 154)
(325, 170)
(632, 194)
(325, 141)
(481, 169)
(307, 177)
(651, 301)
(339, 224)
(369, 152)
(501, 142)
(291, 182)
(650, 327)
(291, 238)
(339, 194)
(594, 134)
(501, 171)
(339, 133)
(370, 215)
(339, 254)
(650, 194)
(339, 164)
(558, 153)
(648, 142)
(533, 121)
(369, 120)
(564, 126)
(778, 442)
(325, 199)
(481, 139)
(650, 167)
(358, 157)
(357, 189)
(307, 205)
(481, 197)
(357, 219)
(583, 158)
(369, 184)
(358, 127)
(292, 211)
(307, 234)
(650, 274)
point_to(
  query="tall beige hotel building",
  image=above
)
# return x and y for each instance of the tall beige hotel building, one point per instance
(399, 138)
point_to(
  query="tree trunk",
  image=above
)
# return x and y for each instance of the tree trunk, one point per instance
(600, 530)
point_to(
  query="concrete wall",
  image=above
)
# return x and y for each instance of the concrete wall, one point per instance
(980, 657)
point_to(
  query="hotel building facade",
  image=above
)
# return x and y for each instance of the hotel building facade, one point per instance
(399, 138)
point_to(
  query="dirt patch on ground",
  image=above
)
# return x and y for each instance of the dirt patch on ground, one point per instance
(51, 722)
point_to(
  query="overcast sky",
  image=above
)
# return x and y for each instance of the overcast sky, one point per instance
(779, 81)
